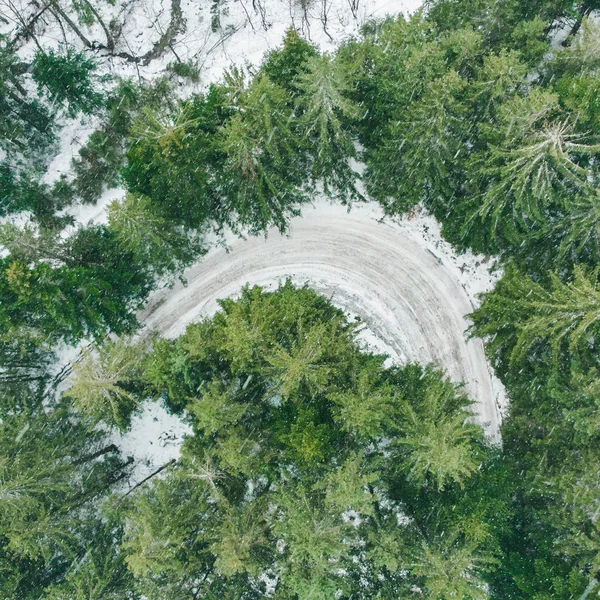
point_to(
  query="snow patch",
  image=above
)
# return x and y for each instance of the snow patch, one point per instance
(154, 439)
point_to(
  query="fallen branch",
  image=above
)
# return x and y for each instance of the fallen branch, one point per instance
(54, 6)
(27, 28)
(143, 481)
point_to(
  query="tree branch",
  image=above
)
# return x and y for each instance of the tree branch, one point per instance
(143, 481)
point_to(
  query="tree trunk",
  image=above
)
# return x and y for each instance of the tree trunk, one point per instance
(70, 23)
(18, 87)
(583, 12)
(143, 481)
(110, 42)
(102, 452)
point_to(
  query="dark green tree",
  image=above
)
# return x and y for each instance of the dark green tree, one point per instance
(54, 469)
(326, 114)
(68, 78)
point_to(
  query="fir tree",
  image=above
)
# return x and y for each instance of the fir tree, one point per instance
(521, 314)
(325, 112)
(163, 247)
(101, 378)
(68, 79)
(437, 444)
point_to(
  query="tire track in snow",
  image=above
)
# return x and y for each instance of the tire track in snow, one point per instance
(412, 303)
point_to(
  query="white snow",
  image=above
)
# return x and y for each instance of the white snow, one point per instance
(73, 136)
(154, 439)
(410, 289)
(96, 214)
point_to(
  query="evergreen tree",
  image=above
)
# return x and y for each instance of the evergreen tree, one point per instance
(263, 170)
(93, 290)
(54, 468)
(325, 110)
(275, 482)
(25, 123)
(522, 316)
(165, 542)
(313, 538)
(171, 158)
(164, 248)
(366, 407)
(437, 444)
(303, 364)
(530, 174)
(68, 79)
(450, 568)
(240, 537)
(101, 574)
(101, 378)
(284, 65)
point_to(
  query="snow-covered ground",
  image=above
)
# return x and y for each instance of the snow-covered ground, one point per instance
(407, 285)
(154, 439)
(246, 29)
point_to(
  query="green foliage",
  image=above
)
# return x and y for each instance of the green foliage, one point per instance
(541, 338)
(310, 462)
(22, 192)
(581, 55)
(102, 157)
(499, 20)
(30, 244)
(466, 112)
(53, 468)
(283, 66)
(365, 406)
(215, 410)
(325, 109)
(239, 538)
(171, 157)
(162, 537)
(263, 169)
(349, 487)
(530, 40)
(89, 289)
(96, 166)
(287, 474)
(100, 381)
(163, 247)
(188, 70)
(535, 172)
(437, 445)
(101, 573)
(522, 316)
(313, 538)
(413, 88)
(25, 124)
(68, 78)
(303, 365)
(449, 567)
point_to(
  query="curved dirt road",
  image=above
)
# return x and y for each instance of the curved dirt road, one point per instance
(411, 301)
